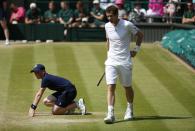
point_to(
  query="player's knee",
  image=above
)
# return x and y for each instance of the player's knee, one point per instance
(45, 101)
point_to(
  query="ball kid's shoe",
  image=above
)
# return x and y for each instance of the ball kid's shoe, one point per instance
(82, 107)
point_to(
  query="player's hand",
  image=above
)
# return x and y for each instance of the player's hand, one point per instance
(133, 53)
(31, 112)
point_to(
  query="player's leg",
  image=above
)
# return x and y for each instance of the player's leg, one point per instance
(111, 78)
(51, 99)
(129, 96)
(5, 30)
(64, 103)
(57, 110)
(110, 118)
(125, 76)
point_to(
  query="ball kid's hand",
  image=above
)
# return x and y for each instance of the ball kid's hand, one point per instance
(31, 112)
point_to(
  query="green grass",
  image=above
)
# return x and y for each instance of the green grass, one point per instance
(164, 89)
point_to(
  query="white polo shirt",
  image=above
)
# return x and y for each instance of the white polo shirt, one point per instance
(119, 37)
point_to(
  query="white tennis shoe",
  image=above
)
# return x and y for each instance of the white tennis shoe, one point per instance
(81, 105)
(109, 119)
(7, 42)
(128, 114)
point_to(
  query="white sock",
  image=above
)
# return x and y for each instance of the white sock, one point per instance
(111, 109)
(129, 105)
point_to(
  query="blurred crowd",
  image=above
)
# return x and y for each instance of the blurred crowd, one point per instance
(164, 10)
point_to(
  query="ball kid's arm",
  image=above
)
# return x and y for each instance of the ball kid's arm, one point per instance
(36, 101)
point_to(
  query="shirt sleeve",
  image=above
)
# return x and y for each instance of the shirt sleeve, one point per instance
(21, 12)
(132, 28)
(44, 83)
(106, 31)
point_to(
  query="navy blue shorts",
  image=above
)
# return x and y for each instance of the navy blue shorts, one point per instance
(2, 14)
(65, 98)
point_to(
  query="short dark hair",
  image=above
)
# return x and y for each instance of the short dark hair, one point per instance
(112, 9)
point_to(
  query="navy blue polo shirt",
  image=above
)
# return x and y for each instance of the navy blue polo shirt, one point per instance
(56, 83)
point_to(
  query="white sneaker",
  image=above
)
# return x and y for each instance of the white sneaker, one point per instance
(6, 42)
(109, 119)
(128, 114)
(49, 41)
(24, 41)
(37, 41)
(82, 106)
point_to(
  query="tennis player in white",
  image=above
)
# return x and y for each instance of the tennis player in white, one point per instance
(118, 63)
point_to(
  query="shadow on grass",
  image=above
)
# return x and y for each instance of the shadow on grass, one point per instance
(141, 118)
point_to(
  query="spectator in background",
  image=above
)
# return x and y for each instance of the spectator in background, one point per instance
(80, 16)
(3, 7)
(189, 15)
(50, 16)
(138, 14)
(193, 1)
(169, 10)
(98, 15)
(105, 3)
(17, 14)
(122, 14)
(155, 8)
(33, 15)
(65, 14)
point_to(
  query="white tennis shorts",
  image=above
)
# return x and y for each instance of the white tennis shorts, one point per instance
(124, 73)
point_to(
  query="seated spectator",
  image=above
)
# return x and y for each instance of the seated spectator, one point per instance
(105, 3)
(122, 14)
(169, 10)
(65, 14)
(33, 15)
(17, 14)
(189, 15)
(155, 8)
(138, 14)
(80, 16)
(50, 16)
(98, 15)
(193, 1)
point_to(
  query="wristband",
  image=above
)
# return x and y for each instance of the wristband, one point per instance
(137, 48)
(33, 106)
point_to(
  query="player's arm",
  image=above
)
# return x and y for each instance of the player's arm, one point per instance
(107, 44)
(36, 101)
(139, 37)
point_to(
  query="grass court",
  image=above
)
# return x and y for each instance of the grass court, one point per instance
(164, 89)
